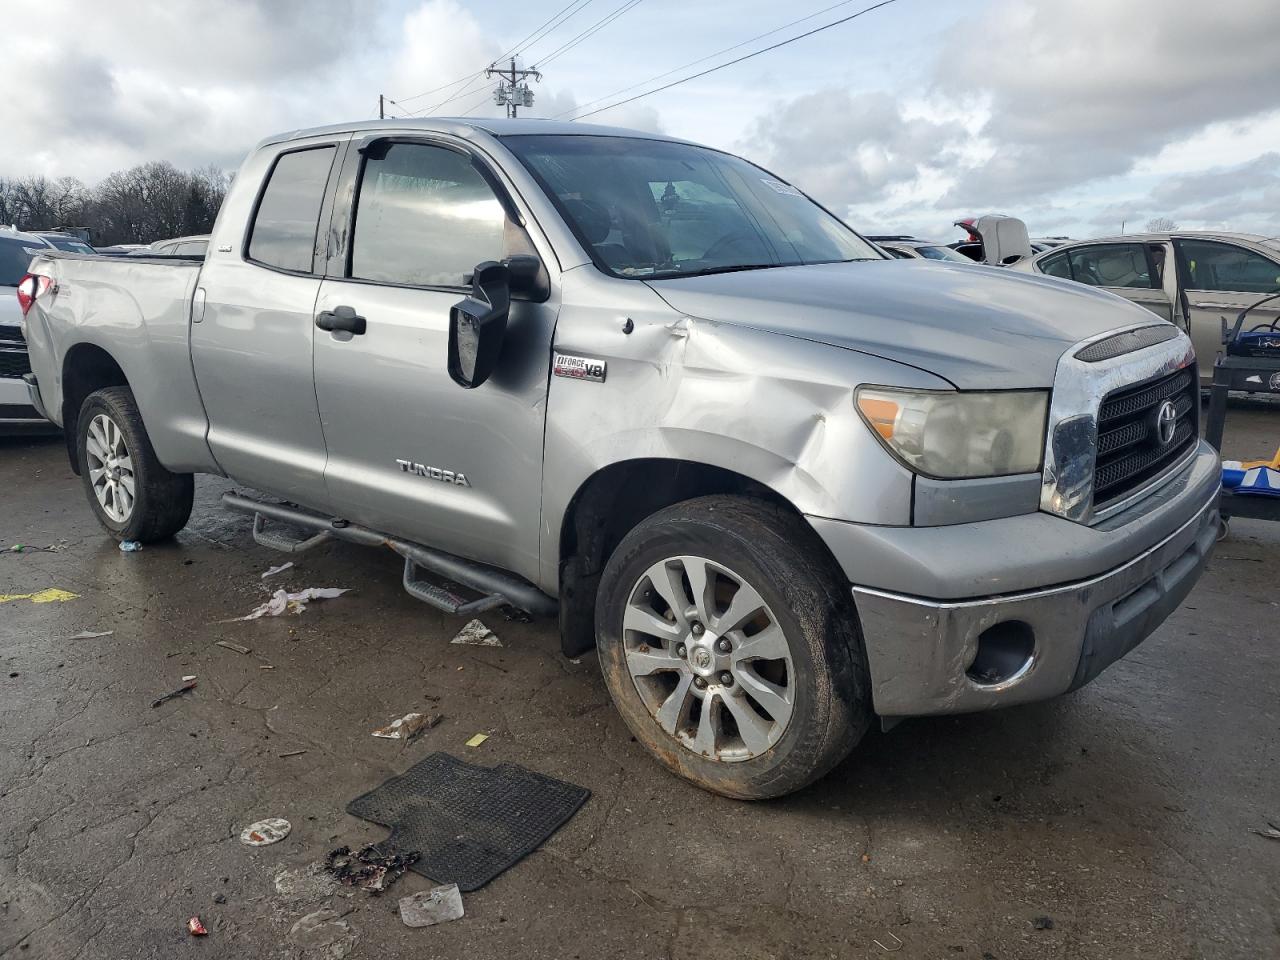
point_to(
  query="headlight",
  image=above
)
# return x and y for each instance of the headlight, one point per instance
(952, 435)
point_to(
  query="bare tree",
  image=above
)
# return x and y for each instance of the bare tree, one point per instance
(1160, 225)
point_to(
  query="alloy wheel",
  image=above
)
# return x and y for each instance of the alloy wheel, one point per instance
(110, 468)
(709, 659)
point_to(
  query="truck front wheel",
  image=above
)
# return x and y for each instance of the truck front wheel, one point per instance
(133, 496)
(730, 647)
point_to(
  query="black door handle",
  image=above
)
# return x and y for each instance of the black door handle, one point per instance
(341, 318)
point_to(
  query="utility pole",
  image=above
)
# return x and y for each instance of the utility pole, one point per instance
(382, 109)
(513, 90)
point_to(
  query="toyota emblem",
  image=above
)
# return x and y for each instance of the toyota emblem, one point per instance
(1166, 423)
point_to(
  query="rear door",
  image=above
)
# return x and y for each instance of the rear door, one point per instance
(1221, 279)
(1128, 269)
(409, 451)
(252, 326)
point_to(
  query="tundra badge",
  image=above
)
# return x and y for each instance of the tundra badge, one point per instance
(580, 368)
(433, 473)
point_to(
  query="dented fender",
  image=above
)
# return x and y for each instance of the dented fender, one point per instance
(774, 408)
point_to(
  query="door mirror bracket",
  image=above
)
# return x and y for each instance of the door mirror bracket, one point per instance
(478, 324)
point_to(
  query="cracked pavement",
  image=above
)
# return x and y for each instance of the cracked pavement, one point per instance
(1125, 812)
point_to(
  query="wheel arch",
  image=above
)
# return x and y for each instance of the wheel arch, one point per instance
(86, 368)
(608, 504)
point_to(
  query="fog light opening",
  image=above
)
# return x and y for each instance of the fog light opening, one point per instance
(1004, 651)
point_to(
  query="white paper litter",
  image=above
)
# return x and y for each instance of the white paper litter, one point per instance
(282, 601)
(406, 727)
(477, 634)
(429, 907)
(272, 571)
(91, 635)
(264, 832)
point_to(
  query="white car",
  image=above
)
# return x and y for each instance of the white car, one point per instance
(16, 249)
(1218, 274)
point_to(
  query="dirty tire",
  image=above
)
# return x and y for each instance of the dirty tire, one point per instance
(779, 555)
(162, 500)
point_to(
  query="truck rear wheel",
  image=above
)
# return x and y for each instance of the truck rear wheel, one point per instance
(133, 496)
(731, 649)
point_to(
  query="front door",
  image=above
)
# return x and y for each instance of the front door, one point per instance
(251, 333)
(1221, 280)
(409, 451)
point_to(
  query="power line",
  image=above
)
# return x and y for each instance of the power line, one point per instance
(536, 34)
(710, 56)
(527, 42)
(594, 28)
(730, 63)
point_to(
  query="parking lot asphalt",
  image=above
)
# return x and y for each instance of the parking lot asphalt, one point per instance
(1116, 822)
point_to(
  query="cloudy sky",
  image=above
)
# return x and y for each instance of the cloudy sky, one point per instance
(1076, 116)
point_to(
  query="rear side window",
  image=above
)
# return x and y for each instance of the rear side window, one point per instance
(425, 217)
(1227, 268)
(284, 228)
(1112, 265)
(1056, 266)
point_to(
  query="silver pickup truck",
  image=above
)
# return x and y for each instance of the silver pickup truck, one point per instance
(783, 484)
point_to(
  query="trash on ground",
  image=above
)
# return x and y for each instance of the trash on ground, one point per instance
(324, 933)
(231, 646)
(305, 884)
(478, 739)
(1042, 923)
(18, 548)
(408, 727)
(1271, 833)
(91, 634)
(130, 546)
(272, 571)
(292, 753)
(282, 601)
(196, 928)
(368, 869)
(429, 907)
(188, 683)
(477, 634)
(469, 822)
(51, 595)
(893, 947)
(264, 832)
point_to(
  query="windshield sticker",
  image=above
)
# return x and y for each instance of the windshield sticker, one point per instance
(777, 186)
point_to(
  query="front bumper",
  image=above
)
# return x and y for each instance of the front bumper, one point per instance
(920, 650)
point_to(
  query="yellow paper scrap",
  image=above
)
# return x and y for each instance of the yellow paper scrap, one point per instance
(52, 595)
(478, 739)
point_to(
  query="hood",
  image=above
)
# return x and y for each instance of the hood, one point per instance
(978, 327)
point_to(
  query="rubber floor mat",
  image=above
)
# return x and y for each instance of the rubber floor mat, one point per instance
(469, 823)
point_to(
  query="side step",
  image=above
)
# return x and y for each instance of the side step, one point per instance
(496, 586)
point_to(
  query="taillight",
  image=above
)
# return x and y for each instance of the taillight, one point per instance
(31, 288)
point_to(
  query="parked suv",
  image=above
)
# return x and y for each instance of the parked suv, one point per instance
(780, 482)
(16, 410)
(1216, 276)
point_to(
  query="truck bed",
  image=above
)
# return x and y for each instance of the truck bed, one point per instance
(133, 313)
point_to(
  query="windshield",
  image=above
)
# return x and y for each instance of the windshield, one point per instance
(70, 243)
(942, 253)
(15, 257)
(650, 208)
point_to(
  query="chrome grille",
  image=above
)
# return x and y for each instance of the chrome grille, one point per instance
(1129, 451)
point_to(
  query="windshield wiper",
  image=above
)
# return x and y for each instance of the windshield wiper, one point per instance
(735, 268)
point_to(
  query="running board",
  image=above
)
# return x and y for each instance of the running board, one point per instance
(496, 586)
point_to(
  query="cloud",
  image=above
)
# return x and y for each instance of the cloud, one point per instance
(1080, 91)
(195, 82)
(844, 148)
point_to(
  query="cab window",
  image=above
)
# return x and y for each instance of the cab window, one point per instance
(284, 227)
(1056, 266)
(1224, 267)
(424, 216)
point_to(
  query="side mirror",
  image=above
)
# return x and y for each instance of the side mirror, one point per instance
(478, 324)
(528, 278)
